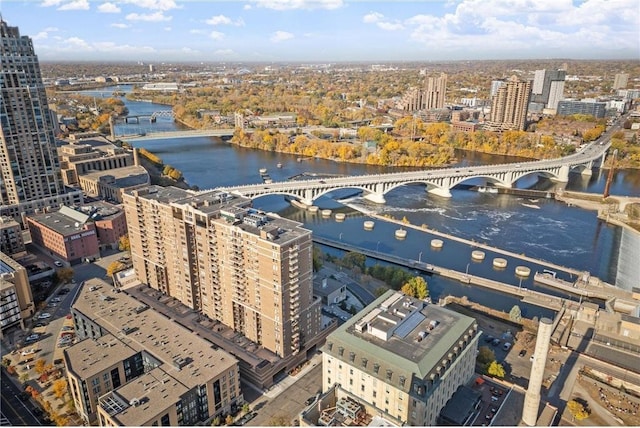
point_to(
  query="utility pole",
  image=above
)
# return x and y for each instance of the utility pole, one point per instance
(607, 186)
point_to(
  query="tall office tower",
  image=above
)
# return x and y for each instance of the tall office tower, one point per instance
(435, 91)
(620, 81)
(495, 85)
(532, 397)
(547, 89)
(29, 170)
(217, 255)
(509, 105)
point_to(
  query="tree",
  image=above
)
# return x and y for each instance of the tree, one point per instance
(216, 421)
(578, 410)
(60, 388)
(416, 287)
(24, 377)
(124, 244)
(39, 366)
(278, 421)
(246, 408)
(354, 259)
(114, 267)
(515, 314)
(228, 420)
(495, 369)
(64, 275)
(317, 258)
(485, 355)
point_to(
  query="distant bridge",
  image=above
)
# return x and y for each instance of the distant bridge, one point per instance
(222, 133)
(437, 181)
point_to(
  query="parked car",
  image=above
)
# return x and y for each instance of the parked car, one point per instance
(506, 346)
(33, 336)
(67, 328)
(522, 353)
(310, 400)
(28, 352)
(44, 316)
(56, 300)
(57, 263)
(495, 342)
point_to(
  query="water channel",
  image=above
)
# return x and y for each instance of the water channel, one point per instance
(567, 236)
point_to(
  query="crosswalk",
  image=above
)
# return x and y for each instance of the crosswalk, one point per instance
(4, 422)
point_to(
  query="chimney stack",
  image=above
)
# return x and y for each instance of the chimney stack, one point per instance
(532, 397)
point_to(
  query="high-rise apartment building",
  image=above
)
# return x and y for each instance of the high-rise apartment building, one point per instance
(509, 105)
(495, 85)
(29, 169)
(16, 300)
(435, 91)
(547, 89)
(401, 358)
(620, 81)
(217, 255)
(430, 97)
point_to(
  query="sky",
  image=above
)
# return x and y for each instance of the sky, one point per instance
(326, 30)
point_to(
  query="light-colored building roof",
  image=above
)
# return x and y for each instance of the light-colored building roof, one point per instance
(125, 177)
(65, 221)
(398, 337)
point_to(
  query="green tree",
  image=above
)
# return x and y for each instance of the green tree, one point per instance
(577, 410)
(380, 291)
(354, 259)
(216, 421)
(245, 408)
(24, 377)
(317, 258)
(515, 314)
(485, 355)
(278, 421)
(496, 369)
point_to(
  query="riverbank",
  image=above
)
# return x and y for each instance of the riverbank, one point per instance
(617, 210)
(158, 178)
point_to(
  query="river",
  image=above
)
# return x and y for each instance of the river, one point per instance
(567, 236)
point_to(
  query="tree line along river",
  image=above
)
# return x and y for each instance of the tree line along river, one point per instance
(567, 236)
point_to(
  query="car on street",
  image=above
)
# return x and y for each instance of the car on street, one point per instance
(67, 328)
(33, 336)
(56, 300)
(44, 316)
(495, 342)
(28, 352)
(40, 324)
(57, 263)
(52, 305)
(246, 418)
(310, 400)
(64, 290)
(522, 353)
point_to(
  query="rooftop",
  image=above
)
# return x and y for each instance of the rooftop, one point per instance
(184, 354)
(125, 177)
(65, 221)
(398, 336)
(101, 210)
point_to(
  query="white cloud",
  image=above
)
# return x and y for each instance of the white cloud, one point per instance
(77, 43)
(161, 5)
(246, 7)
(280, 36)
(390, 26)
(216, 35)
(49, 3)
(524, 26)
(42, 35)
(120, 25)
(151, 17)
(196, 31)
(167, 28)
(299, 4)
(372, 17)
(75, 5)
(218, 20)
(108, 8)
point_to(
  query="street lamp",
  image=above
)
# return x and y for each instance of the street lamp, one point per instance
(340, 236)
(377, 245)
(466, 272)
(420, 257)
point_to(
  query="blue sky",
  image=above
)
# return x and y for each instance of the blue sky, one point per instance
(327, 30)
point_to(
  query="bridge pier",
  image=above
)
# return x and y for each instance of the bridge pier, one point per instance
(440, 191)
(378, 198)
(587, 172)
(563, 175)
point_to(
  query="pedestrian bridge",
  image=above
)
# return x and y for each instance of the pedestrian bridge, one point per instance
(437, 181)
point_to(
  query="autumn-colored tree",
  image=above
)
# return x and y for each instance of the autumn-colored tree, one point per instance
(578, 410)
(246, 408)
(24, 377)
(124, 244)
(216, 421)
(228, 420)
(60, 388)
(278, 421)
(496, 369)
(416, 287)
(115, 267)
(515, 314)
(39, 365)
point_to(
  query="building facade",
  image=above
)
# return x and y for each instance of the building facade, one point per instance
(509, 105)
(620, 81)
(435, 91)
(29, 169)
(402, 356)
(16, 301)
(234, 264)
(89, 155)
(569, 107)
(135, 367)
(66, 234)
(110, 221)
(11, 242)
(547, 89)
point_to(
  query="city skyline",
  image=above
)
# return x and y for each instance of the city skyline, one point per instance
(326, 30)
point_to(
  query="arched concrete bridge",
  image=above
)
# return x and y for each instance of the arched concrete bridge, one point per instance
(437, 181)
